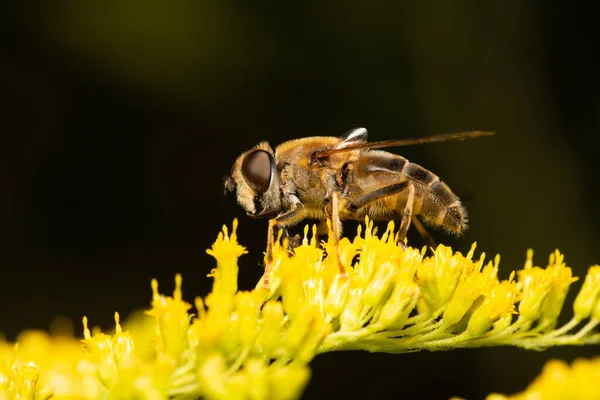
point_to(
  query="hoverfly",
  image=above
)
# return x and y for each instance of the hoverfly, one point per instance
(344, 178)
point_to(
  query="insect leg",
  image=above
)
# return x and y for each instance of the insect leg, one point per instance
(336, 228)
(423, 232)
(280, 221)
(377, 195)
(386, 192)
(269, 254)
(406, 215)
(293, 241)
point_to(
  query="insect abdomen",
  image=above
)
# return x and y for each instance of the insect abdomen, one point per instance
(440, 207)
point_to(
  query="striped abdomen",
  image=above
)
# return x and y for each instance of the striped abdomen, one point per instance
(437, 205)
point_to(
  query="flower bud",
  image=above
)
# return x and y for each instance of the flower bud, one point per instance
(561, 280)
(211, 376)
(400, 304)
(247, 308)
(476, 284)
(212, 329)
(270, 336)
(226, 251)
(336, 297)
(314, 292)
(351, 318)
(24, 381)
(379, 285)
(439, 276)
(299, 328)
(535, 284)
(480, 322)
(502, 323)
(498, 303)
(596, 311)
(588, 296)
(292, 296)
(258, 384)
(100, 348)
(171, 314)
(308, 348)
(287, 381)
(457, 308)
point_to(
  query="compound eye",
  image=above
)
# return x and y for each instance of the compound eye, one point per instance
(257, 170)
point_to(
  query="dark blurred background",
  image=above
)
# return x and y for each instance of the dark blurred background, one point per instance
(120, 119)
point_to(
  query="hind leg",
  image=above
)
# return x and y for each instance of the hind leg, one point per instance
(423, 232)
(407, 215)
(405, 208)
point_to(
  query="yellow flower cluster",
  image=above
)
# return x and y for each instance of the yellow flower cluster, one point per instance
(559, 381)
(40, 366)
(395, 300)
(257, 344)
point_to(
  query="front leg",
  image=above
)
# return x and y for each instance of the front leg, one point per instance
(289, 218)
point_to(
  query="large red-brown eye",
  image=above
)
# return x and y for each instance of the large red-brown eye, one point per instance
(256, 169)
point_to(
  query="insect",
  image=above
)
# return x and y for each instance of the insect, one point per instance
(344, 178)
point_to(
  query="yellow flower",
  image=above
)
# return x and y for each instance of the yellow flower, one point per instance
(561, 279)
(589, 295)
(439, 276)
(473, 285)
(544, 290)
(561, 381)
(499, 303)
(172, 319)
(41, 366)
(258, 344)
(226, 251)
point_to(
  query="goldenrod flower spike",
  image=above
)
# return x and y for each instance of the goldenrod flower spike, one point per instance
(257, 344)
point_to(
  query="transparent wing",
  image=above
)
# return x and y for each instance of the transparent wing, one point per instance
(363, 145)
(353, 137)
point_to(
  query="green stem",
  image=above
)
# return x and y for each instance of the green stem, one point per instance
(421, 328)
(426, 337)
(335, 340)
(587, 328)
(446, 343)
(426, 317)
(519, 323)
(564, 329)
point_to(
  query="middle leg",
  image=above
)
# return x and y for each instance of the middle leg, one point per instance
(336, 230)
